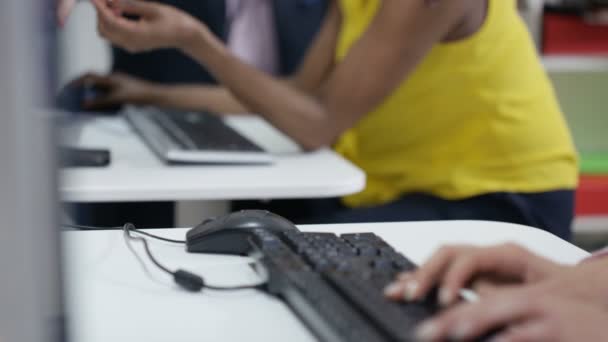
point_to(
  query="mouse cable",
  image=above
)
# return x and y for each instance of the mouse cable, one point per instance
(141, 232)
(184, 279)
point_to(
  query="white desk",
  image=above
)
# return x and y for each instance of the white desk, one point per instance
(110, 297)
(136, 174)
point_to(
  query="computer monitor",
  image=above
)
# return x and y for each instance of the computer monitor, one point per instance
(30, 285)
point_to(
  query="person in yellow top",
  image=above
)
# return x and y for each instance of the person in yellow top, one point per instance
(444, 105)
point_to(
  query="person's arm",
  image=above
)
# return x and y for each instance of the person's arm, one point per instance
(601, 254)
(196, 98)
(587, 281)
(122, 88)
(401, 34)
(119, 89)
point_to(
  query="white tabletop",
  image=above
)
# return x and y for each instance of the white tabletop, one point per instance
(136, 174)
(111, 298)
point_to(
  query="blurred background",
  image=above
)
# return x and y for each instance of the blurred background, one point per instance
(572, 37)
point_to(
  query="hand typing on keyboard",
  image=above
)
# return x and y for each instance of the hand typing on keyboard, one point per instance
(530, 298)
(453, 268)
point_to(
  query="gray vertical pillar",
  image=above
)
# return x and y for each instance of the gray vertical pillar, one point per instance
(30, 291)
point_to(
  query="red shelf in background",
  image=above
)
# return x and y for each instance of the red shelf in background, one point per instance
(569, 34)
(592, 196)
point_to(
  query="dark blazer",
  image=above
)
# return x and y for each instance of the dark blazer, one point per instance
(297, 22)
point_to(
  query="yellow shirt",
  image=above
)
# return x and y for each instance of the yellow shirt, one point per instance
(477, 116)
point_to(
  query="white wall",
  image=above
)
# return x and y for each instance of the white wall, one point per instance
(81, 49)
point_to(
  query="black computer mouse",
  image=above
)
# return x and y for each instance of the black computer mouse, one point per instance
(74, 95)
(229, 234)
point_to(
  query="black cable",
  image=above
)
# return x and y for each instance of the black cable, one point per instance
(185, 279)
(80, 227)
(127, 228)
(183, 242)
(234, 288)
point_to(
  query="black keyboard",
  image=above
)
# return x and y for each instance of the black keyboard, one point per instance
(204, 131)
(335, 284)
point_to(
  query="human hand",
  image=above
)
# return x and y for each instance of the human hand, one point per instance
(116, 89)
(64, 8)
(524, 315)
(587, 281)
(157, 25)
(454, 268)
